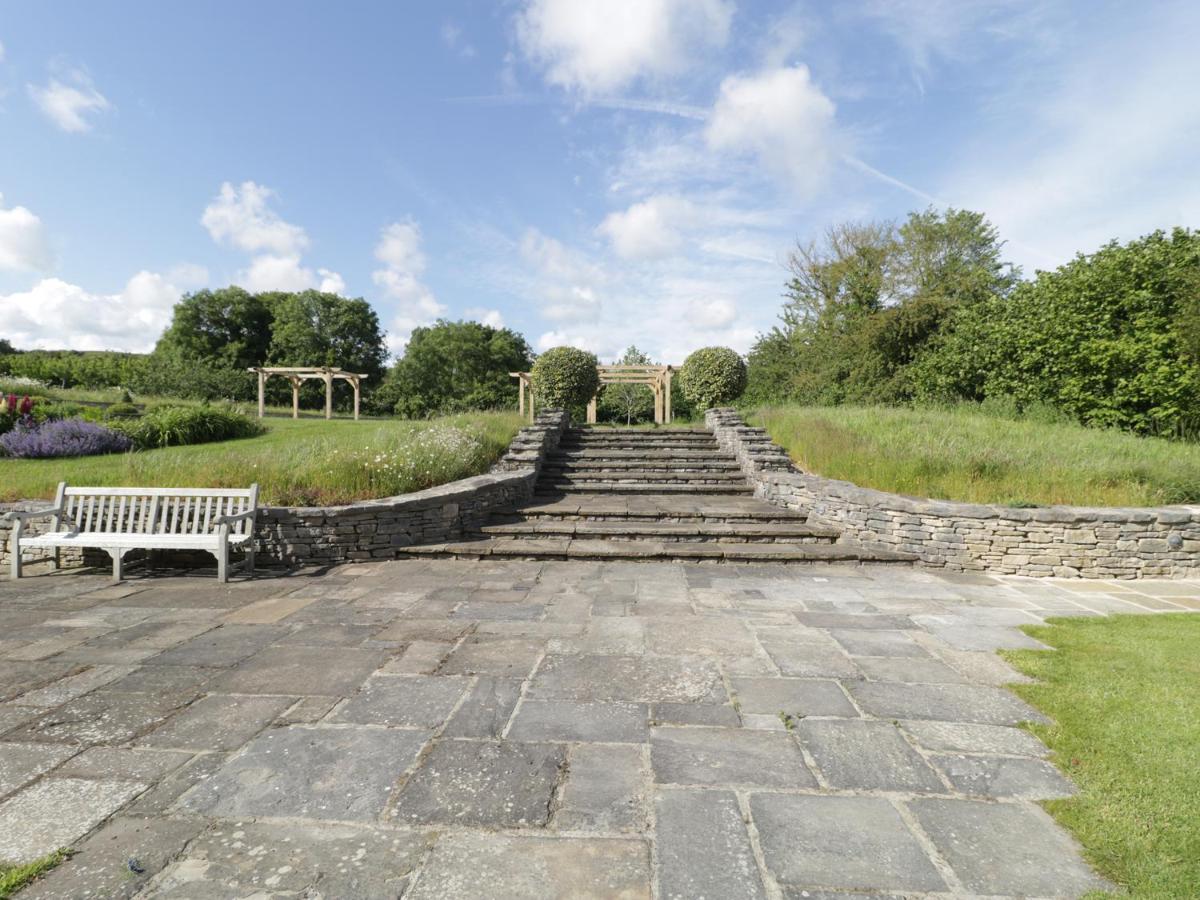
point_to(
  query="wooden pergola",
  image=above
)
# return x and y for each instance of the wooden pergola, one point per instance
(297, 374)
(657, 378)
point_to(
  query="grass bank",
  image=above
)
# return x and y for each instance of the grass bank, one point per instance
(1123, 694)
(297, 462)
(962, 454)
(13, 878)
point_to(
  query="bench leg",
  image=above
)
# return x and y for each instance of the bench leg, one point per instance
(223, 563)
(249, 564)
(57, 558)
(117, 557)
(16, 561)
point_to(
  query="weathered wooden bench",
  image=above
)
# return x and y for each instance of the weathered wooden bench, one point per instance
(120, 519)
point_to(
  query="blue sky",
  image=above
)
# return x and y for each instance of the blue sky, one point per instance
(593, 172)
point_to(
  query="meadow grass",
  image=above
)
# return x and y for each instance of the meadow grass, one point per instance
(962, 454)
(13, 878)
(1123, 694)
(296, 463)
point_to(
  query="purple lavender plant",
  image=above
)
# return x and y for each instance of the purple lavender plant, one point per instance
(62, 437)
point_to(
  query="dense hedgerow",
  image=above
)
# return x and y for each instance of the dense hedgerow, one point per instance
(62, 437)
(172, 426)
(712, 376)
(564, 377)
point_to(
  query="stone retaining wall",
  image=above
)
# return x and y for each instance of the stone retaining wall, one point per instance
(375, 529)
(1065, 541)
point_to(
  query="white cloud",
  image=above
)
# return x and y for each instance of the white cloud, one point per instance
(23, 242)
(781, 118)
(188, 276)
(597, 46)
(69, 103)
(452, 37)
(414, 304)
(54, 314)
(239, 216)
(551, 339)
(650, 229)
(490, 317)
(564, 281)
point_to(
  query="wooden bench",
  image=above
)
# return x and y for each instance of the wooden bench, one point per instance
(120, 519)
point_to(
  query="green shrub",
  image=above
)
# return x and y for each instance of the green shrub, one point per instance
(172, 426)
(712, 376)
(122, 411)
(65, 409)
(564, 377)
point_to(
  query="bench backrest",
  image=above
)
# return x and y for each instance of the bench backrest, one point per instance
(136, 510)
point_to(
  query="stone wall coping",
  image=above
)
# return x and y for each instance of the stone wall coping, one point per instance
(434, 496)
(904, 503)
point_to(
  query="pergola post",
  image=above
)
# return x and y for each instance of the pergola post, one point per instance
(591, 411)
(295, 396)
(262, 393)
(669, 412)
(328, 394)
(658, 403)
(354, 381)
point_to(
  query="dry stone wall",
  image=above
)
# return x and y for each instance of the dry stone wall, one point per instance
(376, 529)
(1065, 541)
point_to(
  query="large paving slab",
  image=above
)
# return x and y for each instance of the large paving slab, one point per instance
(438, 728)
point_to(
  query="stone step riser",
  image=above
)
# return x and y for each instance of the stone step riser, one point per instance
(613, 552)
(675, 519)
(669, 539)
(658, 488)
(626, 477)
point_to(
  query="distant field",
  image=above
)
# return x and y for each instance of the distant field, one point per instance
(961, 454)
(308, 461)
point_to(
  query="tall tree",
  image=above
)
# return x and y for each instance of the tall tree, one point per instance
(316, 329)
(451, 366)
(226, 328)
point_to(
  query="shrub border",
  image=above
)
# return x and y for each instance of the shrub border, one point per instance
(1063, 541)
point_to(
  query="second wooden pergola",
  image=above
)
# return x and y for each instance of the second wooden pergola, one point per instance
(657, 378)
(297, 375)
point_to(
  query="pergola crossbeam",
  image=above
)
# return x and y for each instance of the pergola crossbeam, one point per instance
(298, 374)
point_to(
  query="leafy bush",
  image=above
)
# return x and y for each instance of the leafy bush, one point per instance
(64, 409)
(712, 376)
(62, 437)
(1107, 338)
(564, 377)
(122, 411)
(173, 426)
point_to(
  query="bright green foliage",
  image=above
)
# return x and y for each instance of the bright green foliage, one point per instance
(1112, 338)
(865, 301)
(1121, 691)
(226, 328)
(174, 426)
(564, 378)
(452, 367)
(304, 462)
(712, 376)
(13, 878)
(74, 368)
(985, 453)
(122, 411)
(627, 403)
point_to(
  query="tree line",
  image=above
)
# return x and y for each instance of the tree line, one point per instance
(927, 311)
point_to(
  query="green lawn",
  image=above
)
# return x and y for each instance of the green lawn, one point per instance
(13, 878)
(301, 462)
(1125, 696)
(961, 454)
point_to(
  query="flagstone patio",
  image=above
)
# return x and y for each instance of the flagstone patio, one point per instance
(444, 728)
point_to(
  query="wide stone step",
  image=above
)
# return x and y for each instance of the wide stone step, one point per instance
(648, 455)
(647, 447)
(695, 531)
(635, 465)
(633, 487)
(659, 551)
(580, 473)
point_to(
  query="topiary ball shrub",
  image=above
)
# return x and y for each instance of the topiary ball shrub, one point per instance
(62, 437)
(712, 376)
(564, 377)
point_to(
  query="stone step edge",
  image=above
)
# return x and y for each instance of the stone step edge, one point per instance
(649, 551)
(677, 529)
(642, 488)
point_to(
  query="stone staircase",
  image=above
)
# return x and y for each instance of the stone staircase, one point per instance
(661, 494)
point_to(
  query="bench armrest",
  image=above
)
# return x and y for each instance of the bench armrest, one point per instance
(22, 515)
(229, 520)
